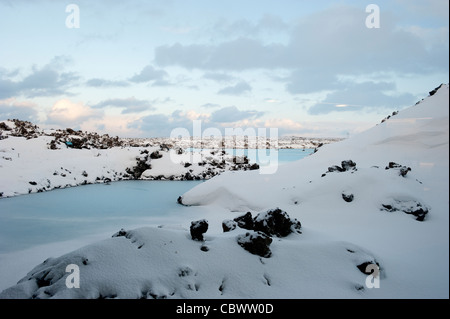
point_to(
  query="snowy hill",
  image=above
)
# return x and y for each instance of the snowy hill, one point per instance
(316, 229)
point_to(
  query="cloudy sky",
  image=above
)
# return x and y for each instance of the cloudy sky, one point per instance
(142, 68)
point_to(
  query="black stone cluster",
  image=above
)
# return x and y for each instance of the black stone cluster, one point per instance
(262, 227)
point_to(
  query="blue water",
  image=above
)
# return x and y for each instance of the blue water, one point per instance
(65, 214)
(283, 155)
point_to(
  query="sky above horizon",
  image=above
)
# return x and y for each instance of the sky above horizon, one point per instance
(143, 68)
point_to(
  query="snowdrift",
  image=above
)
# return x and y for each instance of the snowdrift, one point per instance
(374, 214)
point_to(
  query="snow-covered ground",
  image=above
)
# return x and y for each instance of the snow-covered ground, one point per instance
(34, 160)
(29, 165)
(375, 202)
(235, 142)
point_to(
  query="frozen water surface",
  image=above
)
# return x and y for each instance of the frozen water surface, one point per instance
(65, 214)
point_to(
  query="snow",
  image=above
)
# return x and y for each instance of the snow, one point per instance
(28, 166)
(322, 261)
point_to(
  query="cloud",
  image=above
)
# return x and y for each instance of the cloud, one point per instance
(190, 115)
(210, 105)
(436, 9)
(243, 27)
(177, 29)
(7, 88)
(67, 113)
(48, 80)
(112, 125)
(308, 80)
(271, 100)
(162, 124)
(218, 77)
(11, 108)
(147, 74)
(238, 89)
(232, 114)
(319, 49)
(366, 95)
(129, 105)
(96, 82)
(238, 54)
(162, 83)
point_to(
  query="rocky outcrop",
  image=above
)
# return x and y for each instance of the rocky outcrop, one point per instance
(274, 222)
(228, 225)
(403, 170)
(245, 221)
(346, 166)
(256, 243)
(142, 164)
(198, 228)
(348, 197)
(408, 206)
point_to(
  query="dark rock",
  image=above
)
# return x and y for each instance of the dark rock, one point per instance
(393, 165)
(335, 168)
(245, 221)
(180, 200)
(4, 127)
(184, 271)
(228, 225)
(142, 165)
(363, 268)
(155, 155)
(43, 281)
(435, 90)
(256, 243)
(165, 147)
(32, 183)
(187, 164)
(348, 165)
(403, 170)
(52, 145)
(345, 166)
(411, 207)
(198, 228)
(347, 197)
(254, 166)
(121, 233)
(276, 222)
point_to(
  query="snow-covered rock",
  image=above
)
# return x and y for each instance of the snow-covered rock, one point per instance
(198, 228)
(256, 243)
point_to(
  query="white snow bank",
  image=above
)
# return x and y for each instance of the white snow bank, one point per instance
(165, 263)
(30, 166)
